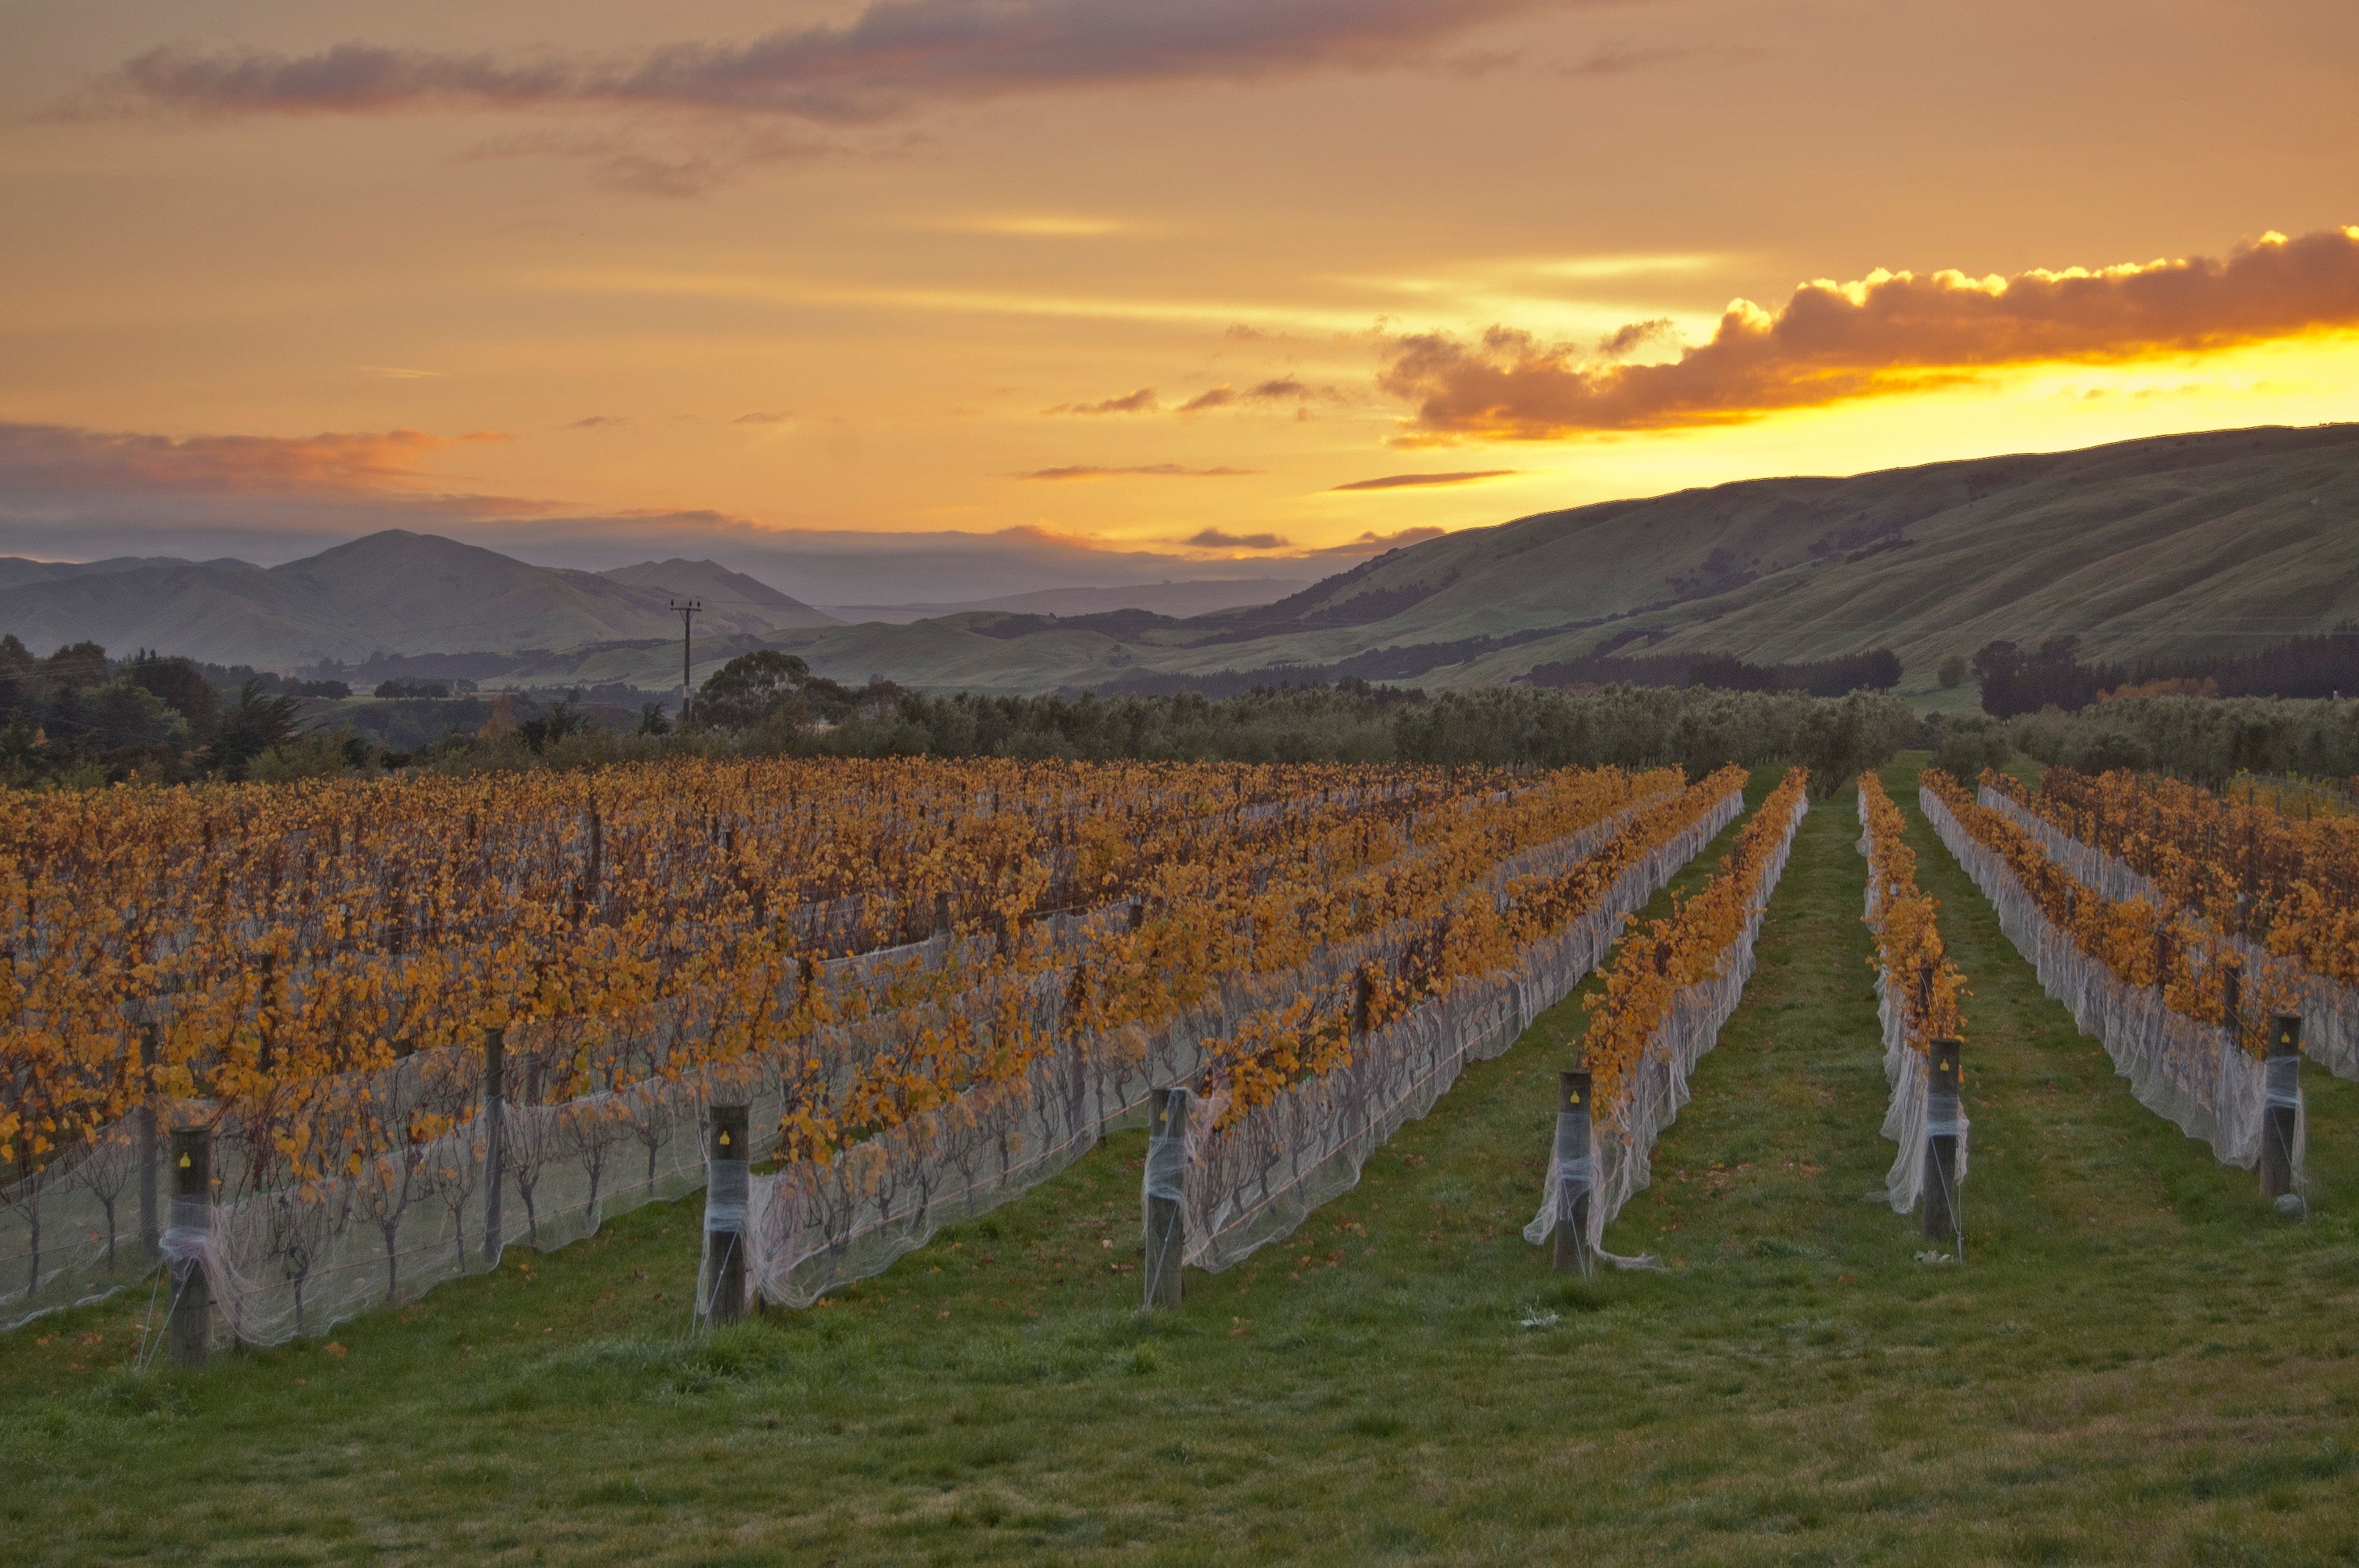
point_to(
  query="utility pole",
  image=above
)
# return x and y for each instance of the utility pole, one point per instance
(688, 607)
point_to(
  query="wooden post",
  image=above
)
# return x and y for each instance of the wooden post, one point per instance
(1576, 1178)
(151, 1227)
(720, 1300)
(184, 1243)
(1944, 1074)
(1167, 1168)
(2283, 1104)
(494, 1150)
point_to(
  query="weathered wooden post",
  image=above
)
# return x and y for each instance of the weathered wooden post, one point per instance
(1944, 1074)
(721, 1294)
(1576, 1178)
(1166, 1170)
(495, 1117)
(2280, 1119)
(186, 1242)
(151, 1229)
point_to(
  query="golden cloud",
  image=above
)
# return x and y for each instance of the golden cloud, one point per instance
(1414, 481)
(1830, 342)
(336, 462)
(1143, 470)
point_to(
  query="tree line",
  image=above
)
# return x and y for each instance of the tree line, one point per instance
(79, 718)
(2014, 680)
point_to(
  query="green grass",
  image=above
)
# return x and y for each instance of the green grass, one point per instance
(2138, 1363)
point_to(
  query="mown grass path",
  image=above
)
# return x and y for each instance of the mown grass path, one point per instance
(2138, 1363)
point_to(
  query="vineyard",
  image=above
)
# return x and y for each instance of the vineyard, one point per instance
(934, 984)
(453, 1047)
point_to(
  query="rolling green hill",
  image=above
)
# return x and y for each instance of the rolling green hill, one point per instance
(2170, 545)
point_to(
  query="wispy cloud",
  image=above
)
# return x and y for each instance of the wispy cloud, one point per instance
(1622, 59)
(1221, 539)
(1150, 471)
(1278, 389)
(597, 422)
(676, 158)
(1139, 402)
(763, 419)
(893, 56)
(401, 373)
(1830, 342)
(1416, 481)
(1373, 543)
(1038, 226)
(75, 493)
(339, 461)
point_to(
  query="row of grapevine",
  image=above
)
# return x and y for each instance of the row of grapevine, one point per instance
(1669, 987)
(2181, 1009)
(224, 944)
(2279, 888)
(304, 1091)
(1917, 991)
(905, 1051)
(1297, 1099)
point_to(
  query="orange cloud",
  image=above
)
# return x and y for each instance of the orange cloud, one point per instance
(1373, 543)
(1834, 341)
(1273, 391)
(1221, 539)
(58, 477)
(1155, 470)
(1139, 402)
(1409, 480)
(342, 462)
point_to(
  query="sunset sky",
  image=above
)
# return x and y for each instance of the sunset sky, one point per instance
(1165, 288)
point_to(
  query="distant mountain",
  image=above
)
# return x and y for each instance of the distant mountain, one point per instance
(392, 593)
(721, 591)
(15, 569)
(1175, 598)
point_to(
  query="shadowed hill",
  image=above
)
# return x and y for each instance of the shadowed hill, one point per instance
(2172, 544)
(2175, 544)
(391, 592)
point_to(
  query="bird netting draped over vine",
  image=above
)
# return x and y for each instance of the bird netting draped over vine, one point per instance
(1669, 991)
(2190, 1070)
(1916, 992)
(2330, 1010)
(307, 971)
(1255, 1172)
(900, 1087)
(813, 1227)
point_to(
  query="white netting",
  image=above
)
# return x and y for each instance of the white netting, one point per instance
(591, 1091)
(2330, 1012)
(2178, 1067)
(287, 1259)
(73, 1233)
(1623, 1142)
(1909, 1121)
(813, 1228)
(1253, 1181)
